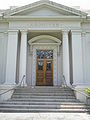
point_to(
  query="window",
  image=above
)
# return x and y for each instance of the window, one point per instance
(44, 54)
(40, 65)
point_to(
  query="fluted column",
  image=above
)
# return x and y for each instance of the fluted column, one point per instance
(66, 71)
(23, 56)
(11, 57)
(83, 34)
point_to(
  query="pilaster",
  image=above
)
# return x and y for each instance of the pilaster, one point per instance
(77, 57)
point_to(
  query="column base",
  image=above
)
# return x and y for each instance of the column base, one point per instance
(9, 84)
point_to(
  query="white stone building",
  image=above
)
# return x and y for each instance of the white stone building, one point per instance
(47, 42)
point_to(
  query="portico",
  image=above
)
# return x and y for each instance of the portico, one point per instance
(27, 58)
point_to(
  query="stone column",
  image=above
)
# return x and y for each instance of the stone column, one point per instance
(66, 71)
(23, 56)
(77, 57)
(11, 57)
(83, 35)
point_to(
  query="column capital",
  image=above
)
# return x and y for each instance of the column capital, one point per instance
(5, 32)
(24, 31)
(13, 31)
(76, 31)
(83, 33)
(65, 31)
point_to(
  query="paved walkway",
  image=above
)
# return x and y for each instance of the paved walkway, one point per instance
(44, 116)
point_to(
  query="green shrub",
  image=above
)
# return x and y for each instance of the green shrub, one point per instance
(88, 90)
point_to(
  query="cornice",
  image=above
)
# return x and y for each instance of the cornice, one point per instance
(18, 18)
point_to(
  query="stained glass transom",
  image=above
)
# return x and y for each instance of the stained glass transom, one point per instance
(44, 54)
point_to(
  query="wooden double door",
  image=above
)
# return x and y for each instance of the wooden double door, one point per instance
(44, 69)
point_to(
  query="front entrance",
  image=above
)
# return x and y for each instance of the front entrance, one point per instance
(44, 68)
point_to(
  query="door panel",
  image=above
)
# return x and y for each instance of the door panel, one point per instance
(40, 73)
(44, 68)
(49, 74)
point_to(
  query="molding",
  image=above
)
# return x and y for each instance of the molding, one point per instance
(3, 31)
(44, 37)
(65, 31)
(73, 18)
(34, 67)
(54, 64)
(87, 31)
(83, 33)
(13, 31)
(55, 68)
(45, 43)
(44, 25)
(76, 31)
(51, 29)
(45, 47)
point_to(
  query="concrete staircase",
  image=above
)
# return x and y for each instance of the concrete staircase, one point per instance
(43, 99)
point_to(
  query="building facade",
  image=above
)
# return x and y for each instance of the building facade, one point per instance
(47, 43)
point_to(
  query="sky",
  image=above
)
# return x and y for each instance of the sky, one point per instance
(84, 4)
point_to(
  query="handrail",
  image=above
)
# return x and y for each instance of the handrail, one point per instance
(79, 92)
(64, 81)
(22, 81)
(14, 87)
(7, 91)
(65, 85)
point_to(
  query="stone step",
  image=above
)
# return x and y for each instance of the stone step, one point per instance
(44, 97)
(42, 100)
(45, 106)
(49, 92)
(43, 110)
(41, 103)
(42, 87)
(44, 94)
